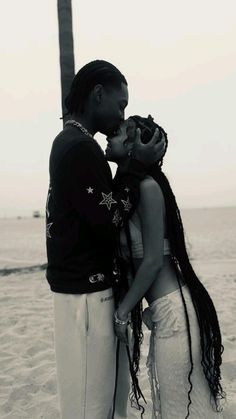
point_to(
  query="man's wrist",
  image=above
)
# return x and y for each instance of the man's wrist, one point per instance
(137, 168)
(137, 165)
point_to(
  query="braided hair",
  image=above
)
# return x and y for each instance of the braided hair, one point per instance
(95, 72)
(210, 335)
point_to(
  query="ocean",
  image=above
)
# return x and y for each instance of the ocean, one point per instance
(210, 237)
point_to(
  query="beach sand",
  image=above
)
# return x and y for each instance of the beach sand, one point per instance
(28, 387)
(28, 374)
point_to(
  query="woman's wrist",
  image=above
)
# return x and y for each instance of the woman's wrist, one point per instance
(121, 317)
(122, 314)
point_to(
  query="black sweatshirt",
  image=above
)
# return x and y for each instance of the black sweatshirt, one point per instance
(84, 212)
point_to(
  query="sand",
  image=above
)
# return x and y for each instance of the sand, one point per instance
(28, 387)
(28, 373)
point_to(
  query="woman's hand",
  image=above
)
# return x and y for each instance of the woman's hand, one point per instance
(122, 333)
(120, 327)
(147, 319)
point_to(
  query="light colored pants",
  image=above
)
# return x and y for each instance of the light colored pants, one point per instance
(85, 347)
(169, 355)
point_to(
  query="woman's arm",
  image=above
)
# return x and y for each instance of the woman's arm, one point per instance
(151, 214)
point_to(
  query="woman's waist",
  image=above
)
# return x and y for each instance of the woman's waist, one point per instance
(166, 282)
(168, 314)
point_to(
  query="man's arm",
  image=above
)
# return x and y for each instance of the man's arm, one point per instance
(104, 206)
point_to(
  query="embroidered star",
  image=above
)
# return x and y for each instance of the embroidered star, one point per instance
(127, 189)
(48, 230)
(49, 193)
(107, 200)
(117, 218)
(90, 190)
(127, 204)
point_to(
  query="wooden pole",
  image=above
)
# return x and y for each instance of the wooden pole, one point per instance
(66, 46)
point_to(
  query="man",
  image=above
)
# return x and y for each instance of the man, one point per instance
(84, 213)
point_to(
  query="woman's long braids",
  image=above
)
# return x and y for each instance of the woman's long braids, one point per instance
(210, 336)
(95, 72)
(120, 289)
(136, 321)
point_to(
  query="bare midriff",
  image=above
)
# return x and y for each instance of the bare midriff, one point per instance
(165, 282)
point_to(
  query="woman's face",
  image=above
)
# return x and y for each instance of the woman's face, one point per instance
(118, 145)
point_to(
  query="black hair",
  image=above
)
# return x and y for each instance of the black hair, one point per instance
(210, 335)
(95, 72)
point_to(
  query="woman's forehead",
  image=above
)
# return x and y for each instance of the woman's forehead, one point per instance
(128, 123)
(127, 127)
(124, 125)
(130, 127)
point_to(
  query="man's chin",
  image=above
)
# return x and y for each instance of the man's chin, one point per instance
(106, 131)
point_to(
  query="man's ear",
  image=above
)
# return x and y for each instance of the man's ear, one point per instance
(98, 93)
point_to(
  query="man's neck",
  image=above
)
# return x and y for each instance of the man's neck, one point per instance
(86, 121)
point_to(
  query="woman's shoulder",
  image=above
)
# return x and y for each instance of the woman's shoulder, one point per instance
(149, 185)
(151, 204)
(150, 192)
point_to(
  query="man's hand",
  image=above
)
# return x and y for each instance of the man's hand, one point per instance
(152, 151)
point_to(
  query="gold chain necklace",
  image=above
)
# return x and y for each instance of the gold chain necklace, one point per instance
(74, 123)
(77, 124)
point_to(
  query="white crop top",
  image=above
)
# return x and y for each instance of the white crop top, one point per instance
(137, 242)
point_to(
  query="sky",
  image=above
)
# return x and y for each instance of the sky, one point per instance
(179, 58)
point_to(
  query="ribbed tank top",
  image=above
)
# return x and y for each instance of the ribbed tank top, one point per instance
(137, 242)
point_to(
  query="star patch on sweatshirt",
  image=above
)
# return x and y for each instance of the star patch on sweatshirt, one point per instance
(47, 203)
(127, 204)
(48, 230)
(89, 189)
(116, 218)
(107, 200)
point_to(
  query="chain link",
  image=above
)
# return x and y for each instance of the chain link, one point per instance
(77, 124)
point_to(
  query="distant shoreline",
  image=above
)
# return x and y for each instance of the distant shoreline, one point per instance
(42, 216)
(23, 270)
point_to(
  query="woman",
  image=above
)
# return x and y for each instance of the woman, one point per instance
(185, 345)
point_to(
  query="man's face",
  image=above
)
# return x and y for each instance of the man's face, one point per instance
(112, 107)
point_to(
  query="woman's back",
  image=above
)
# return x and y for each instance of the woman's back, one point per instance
(141, 227)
